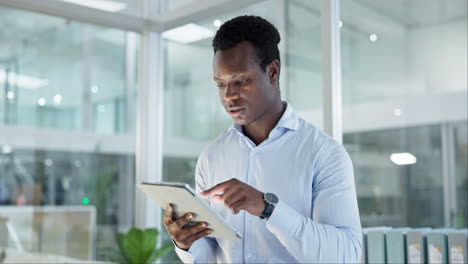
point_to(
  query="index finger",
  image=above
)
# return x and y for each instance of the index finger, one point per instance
(219, 188)
(168, 214)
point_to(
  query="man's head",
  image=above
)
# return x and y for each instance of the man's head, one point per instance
(247, 67)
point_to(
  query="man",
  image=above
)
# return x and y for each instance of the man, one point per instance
(284, 185)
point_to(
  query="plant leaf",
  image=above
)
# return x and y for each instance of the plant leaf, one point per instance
(132, 245)
(148, 243)
(161, 252)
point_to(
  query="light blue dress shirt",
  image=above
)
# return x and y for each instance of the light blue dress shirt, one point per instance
(316, 218)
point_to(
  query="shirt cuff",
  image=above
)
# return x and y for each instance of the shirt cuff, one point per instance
(184, 255)
(284, 221)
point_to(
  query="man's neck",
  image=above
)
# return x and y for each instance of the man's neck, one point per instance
(260, 129)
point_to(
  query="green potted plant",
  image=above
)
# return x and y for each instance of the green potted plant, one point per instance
(139, 246)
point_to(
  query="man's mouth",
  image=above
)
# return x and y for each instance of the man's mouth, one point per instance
(236, 111)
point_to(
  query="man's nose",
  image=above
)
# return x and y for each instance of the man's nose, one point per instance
(231, 92)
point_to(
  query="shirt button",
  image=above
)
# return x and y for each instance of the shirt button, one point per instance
(249, 255)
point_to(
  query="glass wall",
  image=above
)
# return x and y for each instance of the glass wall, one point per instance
(63, 86)
(303, 73)
(42, 192)
(398, 195)
(56, 73)
(403, 49)
(404, 77)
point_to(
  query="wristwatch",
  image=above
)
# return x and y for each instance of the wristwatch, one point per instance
(270, 202)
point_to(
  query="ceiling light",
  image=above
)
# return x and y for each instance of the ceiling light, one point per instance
(23, 81)
(6, 149)
(397, 112)
(403, 158)
(41, 101)
(340, 24)
(57, 99)
(10, 95)
(373, 37)
(105, 5)
(94, 89)
(217, 23)
(188, 33)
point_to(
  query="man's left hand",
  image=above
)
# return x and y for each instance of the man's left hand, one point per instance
(237, 195)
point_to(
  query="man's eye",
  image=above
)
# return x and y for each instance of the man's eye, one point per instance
(221, 85)
(243, 82)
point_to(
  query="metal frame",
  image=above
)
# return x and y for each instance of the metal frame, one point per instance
(331, 68)
(448, 174)
(149, 154)
(79, 13)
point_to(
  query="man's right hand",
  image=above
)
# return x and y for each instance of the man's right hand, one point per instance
(184, 237)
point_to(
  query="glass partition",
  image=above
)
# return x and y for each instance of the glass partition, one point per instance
(62, 74)
(63, 84)
(404, 77)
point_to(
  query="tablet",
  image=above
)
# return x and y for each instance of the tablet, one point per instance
(185, 200)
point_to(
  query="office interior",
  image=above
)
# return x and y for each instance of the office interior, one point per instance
(96, 95)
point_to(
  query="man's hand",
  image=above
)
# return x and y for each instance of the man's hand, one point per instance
(184, 237)
(237, 195)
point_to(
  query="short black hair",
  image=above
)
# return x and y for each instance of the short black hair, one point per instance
(261, 33)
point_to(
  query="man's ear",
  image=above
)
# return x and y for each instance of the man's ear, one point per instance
(274, 71)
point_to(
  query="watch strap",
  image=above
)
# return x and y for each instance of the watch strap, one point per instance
(268, 210)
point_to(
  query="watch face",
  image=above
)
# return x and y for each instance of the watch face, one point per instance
(271, 198)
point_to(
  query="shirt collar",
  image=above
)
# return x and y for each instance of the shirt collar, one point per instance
(288, 120)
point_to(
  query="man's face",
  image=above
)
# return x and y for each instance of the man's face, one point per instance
(246, 91)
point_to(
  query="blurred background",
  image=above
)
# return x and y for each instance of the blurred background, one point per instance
(69, 108)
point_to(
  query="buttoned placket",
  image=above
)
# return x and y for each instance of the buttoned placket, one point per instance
(249, 240)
